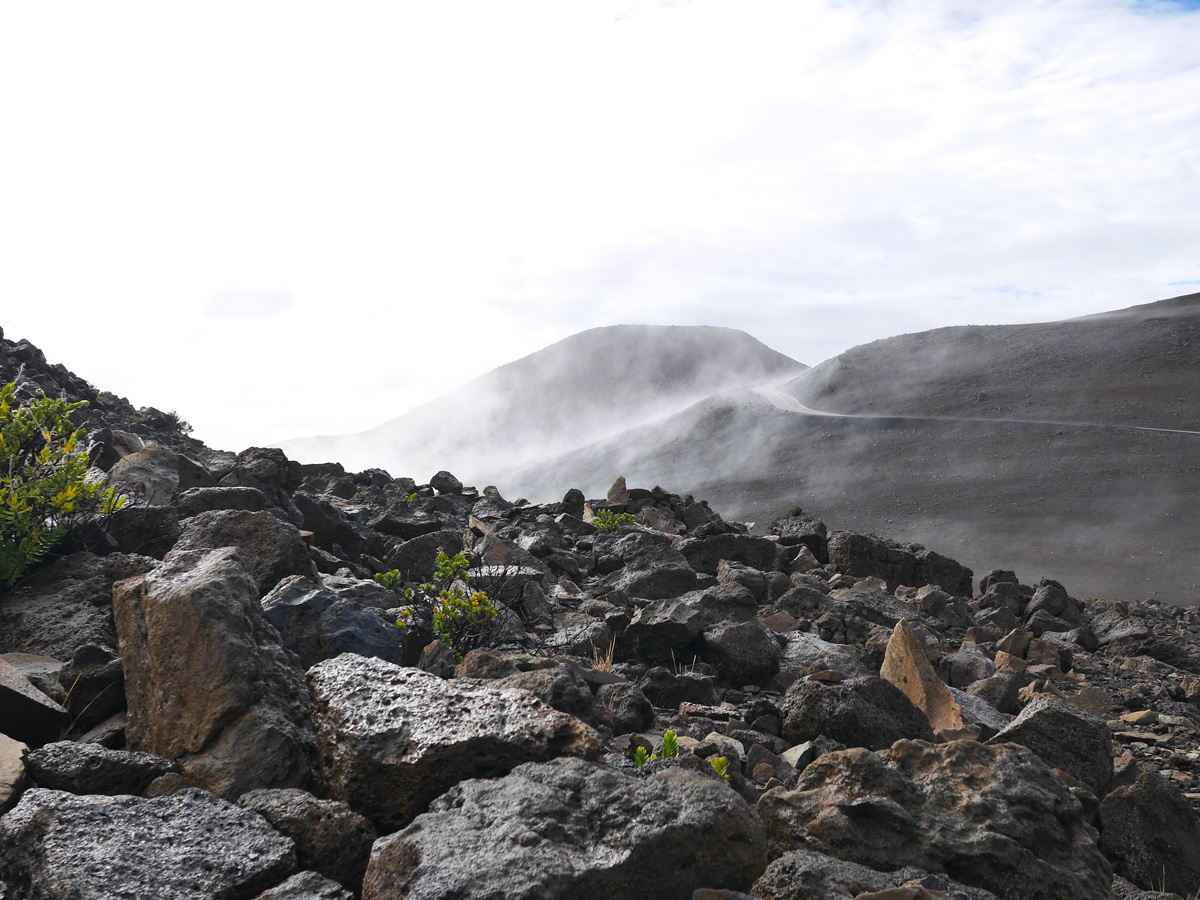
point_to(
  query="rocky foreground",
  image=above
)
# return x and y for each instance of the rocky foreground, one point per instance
(210, 698)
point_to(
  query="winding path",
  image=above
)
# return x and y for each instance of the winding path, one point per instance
(789, 403)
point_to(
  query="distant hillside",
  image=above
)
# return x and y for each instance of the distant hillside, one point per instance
(575, 392)
(1135, 366)
(1111, 511)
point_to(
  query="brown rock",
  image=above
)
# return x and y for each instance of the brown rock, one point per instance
(13, 777)
(907, 667)
(207, 682)
(618, 493)
(1016, 643)
(989, 817)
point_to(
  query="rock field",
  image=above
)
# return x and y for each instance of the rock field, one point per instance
(209, 696)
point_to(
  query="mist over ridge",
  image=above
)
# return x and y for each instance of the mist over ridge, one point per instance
(1005, 445)
(579, 390)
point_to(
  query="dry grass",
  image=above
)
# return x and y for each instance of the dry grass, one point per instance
(603, 662)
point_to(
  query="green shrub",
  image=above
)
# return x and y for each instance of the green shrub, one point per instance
(641, 757)
(721, 764)
(43, 480)
(443, 608)
(608, 521)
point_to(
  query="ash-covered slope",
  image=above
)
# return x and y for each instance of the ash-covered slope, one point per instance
(1138, 366)
(586, 387)
(1112, 510)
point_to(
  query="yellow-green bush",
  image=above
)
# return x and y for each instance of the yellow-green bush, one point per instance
(449, 612)
(43, 486)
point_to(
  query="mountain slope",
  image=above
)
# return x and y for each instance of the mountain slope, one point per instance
(1132, 366)
(574, 392)
(1111, 511)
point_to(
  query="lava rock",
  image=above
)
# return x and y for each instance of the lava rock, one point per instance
(189, 846)
(859, 712)
(569, 828)
(91, 769)
(392, 739)
(207, 682)
(993, 817)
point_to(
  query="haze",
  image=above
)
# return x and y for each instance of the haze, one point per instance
(287, 220)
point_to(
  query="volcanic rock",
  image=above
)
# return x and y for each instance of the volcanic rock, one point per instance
(993, 817)
(57, 845)
(393, 739)
(569, 828)
(207, 682)
(860, 712)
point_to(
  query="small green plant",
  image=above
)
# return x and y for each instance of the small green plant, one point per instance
(442, 606)
(43, 480)
(670, 744)
(392, 580)
(721, 764)
(608, 521)
(641, 757)
(411, 498)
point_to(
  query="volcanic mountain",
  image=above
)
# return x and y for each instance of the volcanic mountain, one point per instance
(1047, 448)
(572, 394)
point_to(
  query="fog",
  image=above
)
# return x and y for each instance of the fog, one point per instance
(1106, 511)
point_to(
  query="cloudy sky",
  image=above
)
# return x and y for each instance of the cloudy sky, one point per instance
(285, 219)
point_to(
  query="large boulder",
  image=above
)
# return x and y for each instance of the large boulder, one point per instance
(330, 837)
(1066, 738)
(156, 475)
(799, 529)
(742, 652)
(317, 624)
(649, 566)
(1151, 835)
(991, 817)
(26, 714)
(569, 828)
(272, 549)
(859, 712)
(704, 554)
(662, 627)
(332, 529)
(189, 846)
(898, 564)
(67, 604)
(392, 739)
(207, 682)
(13, 777)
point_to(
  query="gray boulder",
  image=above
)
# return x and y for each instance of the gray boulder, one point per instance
(652, 568)
(156, 475)
(331, 838)
(742, 652)
(661, 627)
(189, 846)
(859, 712)
(569, 828)
(704, 554)
(1066, 738)
(624, 708)
(273, 549)
(316, 624)
(207, 682)
(91, 769)
(196, 500)
(559, 687)
(993, 817)
(1151, 835)
(392, 739)
(64, 605)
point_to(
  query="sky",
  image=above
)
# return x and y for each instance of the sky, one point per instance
(286, 219)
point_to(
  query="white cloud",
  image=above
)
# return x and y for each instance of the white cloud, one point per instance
(446, 187)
